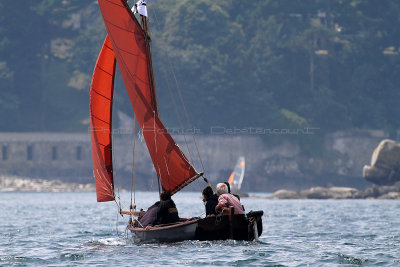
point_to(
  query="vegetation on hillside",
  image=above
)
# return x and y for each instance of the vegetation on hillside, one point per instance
(268, 64)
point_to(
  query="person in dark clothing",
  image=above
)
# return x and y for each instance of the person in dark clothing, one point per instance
(150, 216)
(211, 200)
(167, 211)
(229, 187)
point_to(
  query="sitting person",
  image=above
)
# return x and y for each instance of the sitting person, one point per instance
(229, 191)
(225, 200)
(210, 200)
(150, 216)
(166, 210)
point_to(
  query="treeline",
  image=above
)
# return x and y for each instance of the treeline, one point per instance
(271, 64)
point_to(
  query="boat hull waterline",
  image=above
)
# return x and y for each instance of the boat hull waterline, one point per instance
(169, 233)
(237, 227)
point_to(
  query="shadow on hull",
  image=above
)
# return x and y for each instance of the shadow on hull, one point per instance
(184, 230)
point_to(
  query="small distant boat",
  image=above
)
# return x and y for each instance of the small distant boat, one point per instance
(235, 180)
(128, 45)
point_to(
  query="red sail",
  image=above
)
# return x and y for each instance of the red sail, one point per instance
(128, 41)
(101, 94)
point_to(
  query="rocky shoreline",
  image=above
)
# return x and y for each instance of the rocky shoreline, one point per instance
(21, 184)
(374, 192)
(384, 172)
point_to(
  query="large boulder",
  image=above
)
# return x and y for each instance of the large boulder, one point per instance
(374, 192)
(285, 194)
(385, 164)
(317, 193)
(329, 193)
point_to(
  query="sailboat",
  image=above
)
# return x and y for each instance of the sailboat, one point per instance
(235, 180)
(128, 44)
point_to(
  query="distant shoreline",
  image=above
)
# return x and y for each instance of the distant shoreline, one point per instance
(23, 184)
(31, 185)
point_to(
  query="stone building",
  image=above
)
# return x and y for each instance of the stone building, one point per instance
(46, 155)
(67, 156)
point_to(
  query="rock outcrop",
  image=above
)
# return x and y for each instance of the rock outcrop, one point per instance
(375, 192)
(385, 164)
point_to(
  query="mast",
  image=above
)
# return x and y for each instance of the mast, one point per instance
(149, 63)
(147, 40)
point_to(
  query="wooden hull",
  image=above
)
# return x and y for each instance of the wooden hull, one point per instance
(176, 232)
(237, 227)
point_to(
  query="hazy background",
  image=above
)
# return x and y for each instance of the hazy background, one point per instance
(329, 66)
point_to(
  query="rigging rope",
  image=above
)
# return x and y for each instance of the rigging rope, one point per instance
(180, 97)
(146, 29)
(172, 95)
(175, 107)
(133, 185)
(116, 224)
(114, 170)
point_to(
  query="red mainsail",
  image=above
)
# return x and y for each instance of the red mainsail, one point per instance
(101, 96)
(129, 45)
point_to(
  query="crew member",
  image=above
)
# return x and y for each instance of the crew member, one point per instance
(225, 200)
(210, 200)
(166, 211)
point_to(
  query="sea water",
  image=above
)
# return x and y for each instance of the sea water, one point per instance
(72, 229)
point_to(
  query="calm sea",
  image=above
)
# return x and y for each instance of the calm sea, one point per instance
(72, 229)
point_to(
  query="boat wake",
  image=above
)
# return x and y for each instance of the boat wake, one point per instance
(110, 241)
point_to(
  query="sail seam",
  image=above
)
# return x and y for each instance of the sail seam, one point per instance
(121, 28)
(132, 75)
(94, 90)
(100, 144)
(103, 70)
(97, 118)
(166, 165)
(136, 55)
(109, 47)
(139, 93)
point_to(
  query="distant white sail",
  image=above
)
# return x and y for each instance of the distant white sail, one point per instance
(236, 178)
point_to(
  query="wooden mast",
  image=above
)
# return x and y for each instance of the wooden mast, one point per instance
(149, 63)
(151, 75)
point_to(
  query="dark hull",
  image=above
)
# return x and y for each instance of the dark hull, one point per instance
(237, 227)
(180, 231)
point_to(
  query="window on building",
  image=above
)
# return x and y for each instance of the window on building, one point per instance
(79, 153)
(29, 152)
(4, 153)
(54, 155)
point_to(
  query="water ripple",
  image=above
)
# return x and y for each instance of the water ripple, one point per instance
(70, 229)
